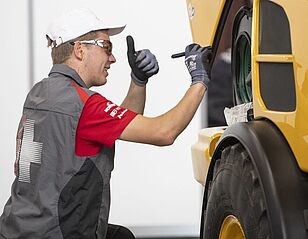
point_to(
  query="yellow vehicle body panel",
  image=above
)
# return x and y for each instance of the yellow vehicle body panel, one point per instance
(204, 18)
(293, 125)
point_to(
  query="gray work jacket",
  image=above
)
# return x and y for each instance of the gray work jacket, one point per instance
(56, 194)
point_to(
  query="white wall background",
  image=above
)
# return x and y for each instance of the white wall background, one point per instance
(14, 85)
(153, 190)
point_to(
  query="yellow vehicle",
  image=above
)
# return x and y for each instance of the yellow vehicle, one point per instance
(255, 170)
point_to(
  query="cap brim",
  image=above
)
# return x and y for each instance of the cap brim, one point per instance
(115, 30)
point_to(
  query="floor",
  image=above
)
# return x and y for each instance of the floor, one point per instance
(166, 237)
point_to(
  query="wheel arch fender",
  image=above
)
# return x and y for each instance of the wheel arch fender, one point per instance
(285, 186)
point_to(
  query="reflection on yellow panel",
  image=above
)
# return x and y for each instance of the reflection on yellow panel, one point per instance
(204, 19)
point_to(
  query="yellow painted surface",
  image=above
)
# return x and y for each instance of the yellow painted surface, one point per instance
(202, 151)
(204, 18)
(274, 58)
(231, 228)
(293, 125)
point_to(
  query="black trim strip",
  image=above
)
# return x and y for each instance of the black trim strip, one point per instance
(220, 28)
(216, 41)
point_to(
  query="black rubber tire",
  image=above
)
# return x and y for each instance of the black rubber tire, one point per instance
(236, 190)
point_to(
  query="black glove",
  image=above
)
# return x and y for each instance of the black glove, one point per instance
(143, 63)
(197, 60)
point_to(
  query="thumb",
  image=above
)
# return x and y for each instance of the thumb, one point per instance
(130, 45)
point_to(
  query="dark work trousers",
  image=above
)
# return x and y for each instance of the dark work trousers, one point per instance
(118, 232)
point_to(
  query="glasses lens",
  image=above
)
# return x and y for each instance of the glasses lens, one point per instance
(108, 46)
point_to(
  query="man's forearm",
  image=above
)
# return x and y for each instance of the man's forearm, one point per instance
(135, 98)
(177, 119)
(164, 129)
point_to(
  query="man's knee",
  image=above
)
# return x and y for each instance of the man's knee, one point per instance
(119, 232)
(126, 233)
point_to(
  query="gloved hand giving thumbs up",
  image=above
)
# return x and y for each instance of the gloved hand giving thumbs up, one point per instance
(143, 63)
(197, 60)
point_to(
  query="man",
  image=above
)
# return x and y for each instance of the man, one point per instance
(65, 140)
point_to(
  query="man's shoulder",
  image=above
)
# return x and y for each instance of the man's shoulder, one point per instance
(57, 94)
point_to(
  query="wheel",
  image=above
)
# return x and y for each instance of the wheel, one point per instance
(236, 207)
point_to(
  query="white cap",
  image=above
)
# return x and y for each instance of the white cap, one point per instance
(77, 23)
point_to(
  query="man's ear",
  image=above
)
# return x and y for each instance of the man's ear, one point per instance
(78, 51)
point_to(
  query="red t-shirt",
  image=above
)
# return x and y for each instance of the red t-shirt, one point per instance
(101, 123)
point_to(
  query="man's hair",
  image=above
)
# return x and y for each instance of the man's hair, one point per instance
(63, 52)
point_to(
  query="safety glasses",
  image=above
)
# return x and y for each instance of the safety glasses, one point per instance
(106, 44)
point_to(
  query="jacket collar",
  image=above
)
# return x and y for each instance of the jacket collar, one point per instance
(67, 71)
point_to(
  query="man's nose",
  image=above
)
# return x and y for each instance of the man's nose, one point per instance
(112, 58)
